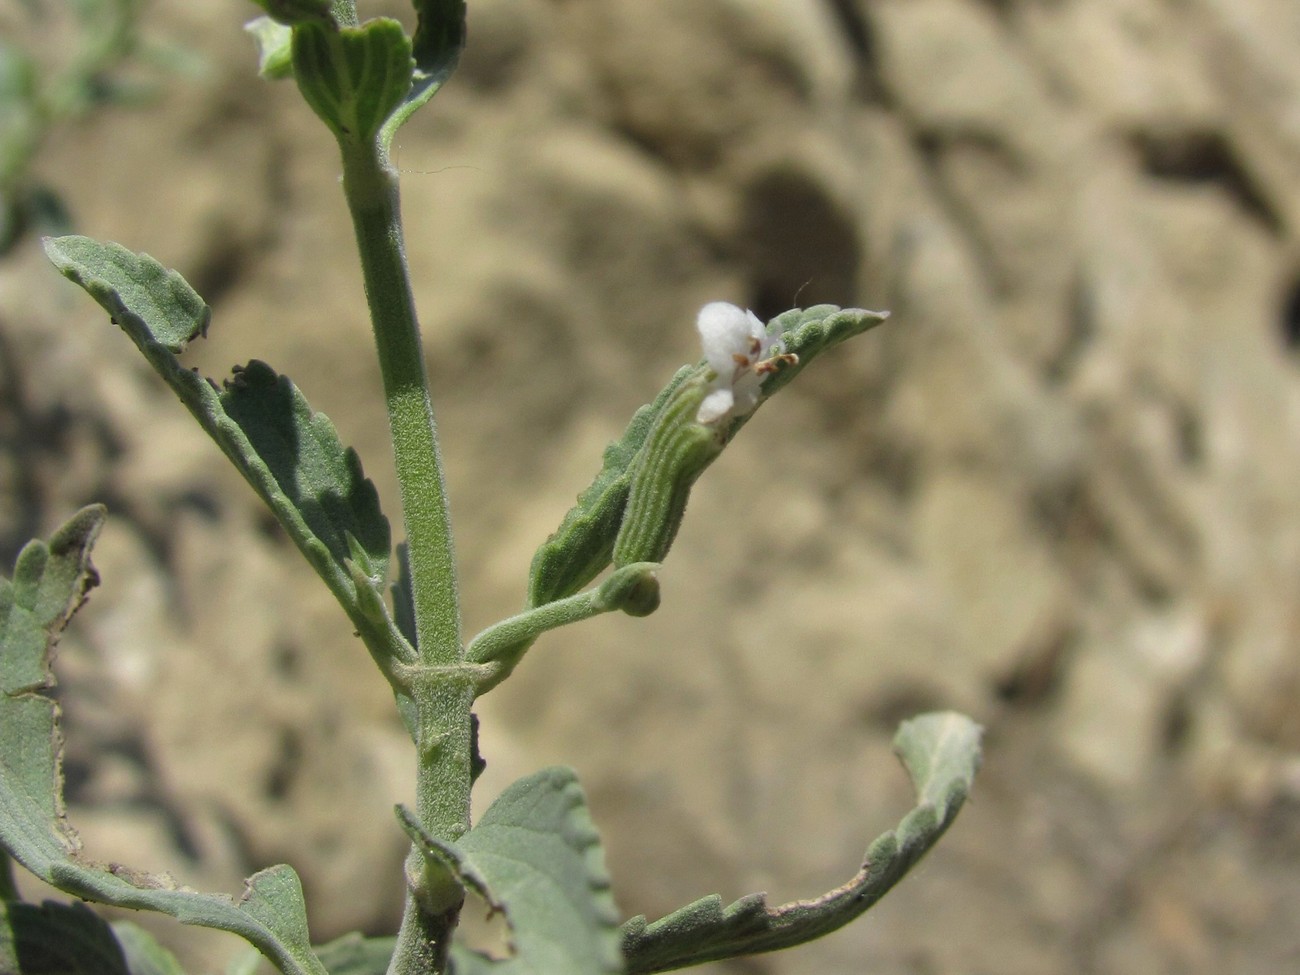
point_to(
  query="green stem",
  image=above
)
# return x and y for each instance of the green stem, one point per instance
(497, 650)
(441, 692)
(371, 189)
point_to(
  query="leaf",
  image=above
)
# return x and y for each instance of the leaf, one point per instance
(58, 939)
(144, 955)
(290, 455)
(583, 545)
(437, 45)
(322, 480)
(274, 42)
(50, 582)
(808, 332)
(536, 854)
(290, 12)
(941, 753)
(676, 452)
(354, 954)
(353, 77)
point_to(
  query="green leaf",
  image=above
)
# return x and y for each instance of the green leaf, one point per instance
(675, 454)
(290, 455)
(353, 77)
(659, 435)
(536, 855)
(144, 955)
(808, 332)
(583, 545)
(941, 753)
(321, 480)
(292, 12)
(58, 939)
(437, 45)
(274, 43)
(50, 581)
(354, 954)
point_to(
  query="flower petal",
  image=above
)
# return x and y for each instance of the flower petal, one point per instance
(725, 332)
(715, 406)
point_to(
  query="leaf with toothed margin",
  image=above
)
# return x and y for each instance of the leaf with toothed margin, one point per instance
(808, 332)
(50, 582)
(536, 856)
(583, 545)
(941, 753)
(290, 454)
(353, 78)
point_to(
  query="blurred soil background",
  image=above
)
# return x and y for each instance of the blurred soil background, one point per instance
(1058, 490)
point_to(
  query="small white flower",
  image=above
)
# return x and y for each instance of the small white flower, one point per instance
(741, 354)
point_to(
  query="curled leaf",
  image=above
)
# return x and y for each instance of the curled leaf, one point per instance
(289, 453)
(941, 753)
(50, 581)
(537, 854)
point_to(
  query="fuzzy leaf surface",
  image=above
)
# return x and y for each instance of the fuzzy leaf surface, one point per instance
(536, 855)
(50, 581)
(58, 939)
(353, 77)
(583, 545)
(354, 954)
(144, 955)
(941, 753)
(290, 454)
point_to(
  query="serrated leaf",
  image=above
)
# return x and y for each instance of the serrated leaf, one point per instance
(437, 45)
(676, 452)
(536, 854)
(941, 753)
(144, 955)
(290, 454)
(583, 545)
(353, 77)
(58, 939)
(321, 479)
(808, 332)
(49, 583)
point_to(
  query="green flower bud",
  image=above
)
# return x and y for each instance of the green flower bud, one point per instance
(634, 589)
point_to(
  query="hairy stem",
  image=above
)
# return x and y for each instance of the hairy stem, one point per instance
(443, 742)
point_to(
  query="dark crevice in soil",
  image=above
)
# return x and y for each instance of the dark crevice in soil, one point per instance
(1199, 156)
